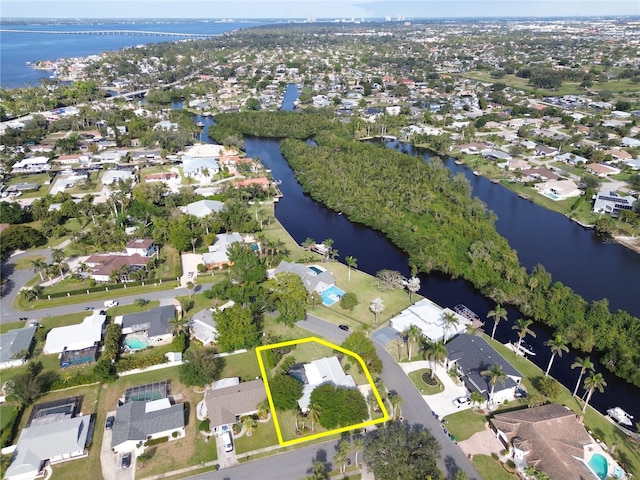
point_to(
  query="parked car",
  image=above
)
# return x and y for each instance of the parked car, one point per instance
(109, 424)
(126, 460)
(462, 401)
(344, 327)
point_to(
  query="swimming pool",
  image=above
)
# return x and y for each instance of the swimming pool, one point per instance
(135, 343)
(552, 196)
(598, 464)
(331, 295)
(316, 269)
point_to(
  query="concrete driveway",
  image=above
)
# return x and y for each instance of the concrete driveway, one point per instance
(225, 459)
(190, 263)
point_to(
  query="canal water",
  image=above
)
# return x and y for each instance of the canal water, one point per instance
(572, 254)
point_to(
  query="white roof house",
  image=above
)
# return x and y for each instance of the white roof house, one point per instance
(217, 254)
(321, 371)
(429, 317)
(200, 167)
(54, 440)
(31, 165)
(76, 337)
(112, 176)
(558, 189)
(203, 327)
(202, 208)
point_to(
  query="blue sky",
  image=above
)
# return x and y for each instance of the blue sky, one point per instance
(315, 8)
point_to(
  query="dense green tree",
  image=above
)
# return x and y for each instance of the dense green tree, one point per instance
(288, 296)
(399, 451)
(237, 329)
(285, 392)
(200, 367)
(13, 213)
(358, 343)
(349, 301)
(339, 406)
(247, 266)
(20, 237)
(549, 387)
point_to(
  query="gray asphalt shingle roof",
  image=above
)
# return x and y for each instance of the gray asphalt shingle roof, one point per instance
(157, 320)
(14, 342)
(133, 422)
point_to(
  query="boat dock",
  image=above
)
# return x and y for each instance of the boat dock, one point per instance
(523, 350)
(469, 314)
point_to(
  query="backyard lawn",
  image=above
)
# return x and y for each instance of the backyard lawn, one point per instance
(490, 468)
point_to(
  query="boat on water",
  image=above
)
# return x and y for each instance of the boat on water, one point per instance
(494, 180)
(476, 173)
(458, 162)
(200, 124)
(620, 416)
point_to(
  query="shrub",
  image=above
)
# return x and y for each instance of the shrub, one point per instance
(156, 441)
(174, 435)
(131, 362)
(349, 301)
(204, 425)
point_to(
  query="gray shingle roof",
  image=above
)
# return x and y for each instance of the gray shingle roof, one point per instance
(133, 422)
(14, 342)
(474, 355)
(223, 404)
(311, 279)
(156, 321)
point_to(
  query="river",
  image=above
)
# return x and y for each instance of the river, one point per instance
(572, 254)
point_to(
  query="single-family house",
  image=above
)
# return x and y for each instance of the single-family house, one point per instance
(137, 421)
(550, 438)
(617, 154)
(202, 208)
(430, 319)
(166, 125)
(103, 266)
(472, 148)
(545, 151)
(262, 182)
(612, 203)
(571, 158)
(538, 174)
(312, 280)
(200, 168)
(114, 176)
(517, 164)
(630, 142)
(225, 405)
(141, 246)
(53, 435)
(217, 256)
(602, 170)
(317, 372)
(203, 327)
(82, 337)
(495, 154)
(32, 165)
(154, 325)
(472, 355)
(558, 189)
(15, 346)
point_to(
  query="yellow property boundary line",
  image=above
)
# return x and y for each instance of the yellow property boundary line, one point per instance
(276, 423)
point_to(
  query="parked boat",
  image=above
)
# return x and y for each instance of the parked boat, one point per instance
(458, 162)
(476, 173)
(200, 124)
(620, 416)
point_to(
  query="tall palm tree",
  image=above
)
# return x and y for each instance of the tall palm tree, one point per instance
(436, 354)
(592, 382)
(313, 413)
(358, 445)
(413, 285)
(476, 398)
(522, 326)
(584, 364)
(308, 243)
(396, 404)
(57, 255)
(557, 346)
(498, 313)
(377, 307)
(495, 375)
(249, 423)
(449, 321)
(351, 262)
(412, 333)
(39, 266)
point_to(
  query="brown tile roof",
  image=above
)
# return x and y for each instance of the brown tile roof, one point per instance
(553, 437)
(223, 404)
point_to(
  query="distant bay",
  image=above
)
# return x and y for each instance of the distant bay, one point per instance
(32, 45)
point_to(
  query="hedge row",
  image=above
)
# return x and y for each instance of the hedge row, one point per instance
(110, 286)
(131, 362)
(156, 441)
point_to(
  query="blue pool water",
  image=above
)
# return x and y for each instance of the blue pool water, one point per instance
(552, 196)
(331, 295)
(316, 269)
(598, 463)
(135, 343)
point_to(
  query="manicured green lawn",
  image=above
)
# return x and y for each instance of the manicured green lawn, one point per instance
(243, 365)
(263, 436)
(423, 388)
(6, 412)
(465, 423)
(491, 469)
(25, 262)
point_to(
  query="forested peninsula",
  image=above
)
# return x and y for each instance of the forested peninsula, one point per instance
(431, 215)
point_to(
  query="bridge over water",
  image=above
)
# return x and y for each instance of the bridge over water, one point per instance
(112, 32)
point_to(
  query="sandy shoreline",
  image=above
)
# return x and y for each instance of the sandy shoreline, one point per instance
(632, 243)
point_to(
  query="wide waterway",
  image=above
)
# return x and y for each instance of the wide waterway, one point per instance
(539, 235)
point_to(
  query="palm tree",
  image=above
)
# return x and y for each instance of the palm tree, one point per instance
(413, 285)
(358, 445)
(497, 314)
(449, 321)
(352, 262)
(476, 398)
(584, 364)
(495, 375)
(57, 255)
(377, 307)
(313, 413)
(436, 354)
(591, 383)
(396, 404)
(262, 409)
(190, 287)
(39, 266)
(308, 243)
(557, 346)
(522, 326)
(249, 423)
(412, 333)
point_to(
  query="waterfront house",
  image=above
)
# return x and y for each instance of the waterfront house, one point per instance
(429, 318)
(217, 256)
(311, 279)
(77, 343)
(471, 355)
(558, 189)
(612, 203)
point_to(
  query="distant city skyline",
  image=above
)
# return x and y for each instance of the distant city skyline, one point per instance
(320, 9)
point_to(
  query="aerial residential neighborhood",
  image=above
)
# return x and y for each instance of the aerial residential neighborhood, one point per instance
(234, 254)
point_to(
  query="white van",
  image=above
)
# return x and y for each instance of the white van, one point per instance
(227, 442)
(110, 303)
